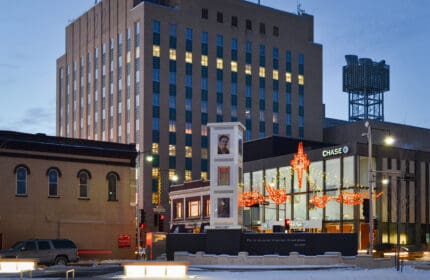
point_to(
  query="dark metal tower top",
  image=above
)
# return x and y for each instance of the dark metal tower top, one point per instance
(365, 81)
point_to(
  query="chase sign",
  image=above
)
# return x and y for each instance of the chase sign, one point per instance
(337, 151)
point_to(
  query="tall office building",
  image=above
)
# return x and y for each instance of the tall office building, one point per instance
(156, 72)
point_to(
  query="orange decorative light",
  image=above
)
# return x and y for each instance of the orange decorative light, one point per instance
(277, 196)
(247, 199)
(350, 198)
(320, 201)
(300, 163)
(355, 198)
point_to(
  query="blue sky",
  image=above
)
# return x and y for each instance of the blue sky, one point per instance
(33, 36)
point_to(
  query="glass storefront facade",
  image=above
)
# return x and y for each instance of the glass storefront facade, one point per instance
(331, 177)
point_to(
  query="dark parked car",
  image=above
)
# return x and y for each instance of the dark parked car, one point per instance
(46, 251)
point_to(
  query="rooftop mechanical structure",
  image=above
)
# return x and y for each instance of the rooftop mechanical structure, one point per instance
(365, 81)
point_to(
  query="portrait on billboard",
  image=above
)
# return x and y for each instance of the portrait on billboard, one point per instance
(223, 175)
(223, 144)
(223, 207)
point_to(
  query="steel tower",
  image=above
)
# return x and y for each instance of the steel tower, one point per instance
(365, 81)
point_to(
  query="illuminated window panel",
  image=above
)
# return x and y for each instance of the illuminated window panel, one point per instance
(172, 175)
(204, 60)
(155, 148)
(204, 175)
(204, 154)
(193, 209)
(219, 63)
(172, 54)
(275, 74)
(262, 72)
(188, 151)
(155, 172)
(248, 70)
(288, 77)
(234, 66)
(137, 52)
(172, 126)
(188, 128)
(189, 57)
(301, 79)
(188, 176)
(172, 150)
(178, 210)
(128, 57)
(204, 130)
(154, 198)
(156, 51)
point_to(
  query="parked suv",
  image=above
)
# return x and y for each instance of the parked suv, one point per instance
(47, 251)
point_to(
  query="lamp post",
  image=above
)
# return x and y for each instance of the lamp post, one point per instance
(370, 173)
(139, 182)
(370, 184)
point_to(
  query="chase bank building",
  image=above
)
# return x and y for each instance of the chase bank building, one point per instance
(324, 186)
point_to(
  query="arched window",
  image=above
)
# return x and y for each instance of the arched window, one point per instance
(113, 179)
(21, 180)
(53, 174)
(84, 176)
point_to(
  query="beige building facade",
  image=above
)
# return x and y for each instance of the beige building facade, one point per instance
(155, 73)
(55, 187)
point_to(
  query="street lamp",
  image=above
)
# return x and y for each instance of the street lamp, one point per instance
(389, 140)
(139, 180)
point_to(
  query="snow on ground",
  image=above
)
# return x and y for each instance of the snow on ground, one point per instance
(329, 274)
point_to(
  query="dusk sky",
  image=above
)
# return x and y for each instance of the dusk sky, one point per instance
(32, 36)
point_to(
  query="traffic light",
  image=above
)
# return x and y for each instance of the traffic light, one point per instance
(366, 210)
(287, 224)
(161, 218)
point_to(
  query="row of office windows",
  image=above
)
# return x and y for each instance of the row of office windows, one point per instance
(92, 99)
(53, 183)
(220, 80)
(234, 22)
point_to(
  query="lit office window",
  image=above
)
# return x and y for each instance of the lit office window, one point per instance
(204, 153)
(248, 70)
(204, 176)
(172, 126)
(204, 60)
(155, 172)
(234, 66)
(156, 51)
(155, 148)
(275, 74)
(189, 57)
(262, 72)
(204, 130)
(188, 175)
(172, 150)
(301, 79)
(219, 63)
(172, 54)
(188, 151)
(288, 77)
(188, 128)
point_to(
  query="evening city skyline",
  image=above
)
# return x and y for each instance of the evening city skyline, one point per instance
(33, 36)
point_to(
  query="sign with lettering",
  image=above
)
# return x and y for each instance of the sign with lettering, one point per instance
(335, 151)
